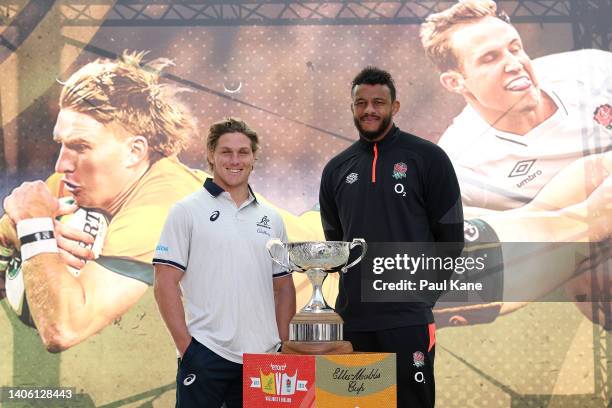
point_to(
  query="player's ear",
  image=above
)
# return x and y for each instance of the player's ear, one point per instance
(210, 158)
(395, 106)
(453, 81)
(139, 149)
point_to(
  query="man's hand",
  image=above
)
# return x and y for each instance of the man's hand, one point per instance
(31, 200)
(183, 344)
(69, 239)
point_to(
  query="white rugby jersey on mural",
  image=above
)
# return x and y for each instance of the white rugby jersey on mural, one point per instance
(499, 170)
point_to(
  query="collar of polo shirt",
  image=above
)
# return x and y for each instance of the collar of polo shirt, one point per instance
(214, 189)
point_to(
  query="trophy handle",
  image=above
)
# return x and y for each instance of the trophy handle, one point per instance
(271, 244)
(364, 248)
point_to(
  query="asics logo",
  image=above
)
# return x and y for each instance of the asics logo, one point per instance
(189, 379)
(214, 215)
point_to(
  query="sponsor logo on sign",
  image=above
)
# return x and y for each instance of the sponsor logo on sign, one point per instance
(419, 359)
(399, 170)
(279, 383)
(351, 178)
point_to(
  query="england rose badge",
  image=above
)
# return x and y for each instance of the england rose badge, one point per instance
(603, 115)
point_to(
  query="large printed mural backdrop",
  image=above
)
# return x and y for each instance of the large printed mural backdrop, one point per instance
(288, 74)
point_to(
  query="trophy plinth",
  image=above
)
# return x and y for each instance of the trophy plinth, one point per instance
(317, 328)
(316, 333)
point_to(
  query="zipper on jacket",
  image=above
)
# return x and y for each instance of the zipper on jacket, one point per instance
(374, 162)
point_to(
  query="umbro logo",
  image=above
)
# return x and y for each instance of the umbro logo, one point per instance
(214, 216)
(351, 178)
(522, 168)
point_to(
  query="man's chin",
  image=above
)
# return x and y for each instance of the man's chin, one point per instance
(529, 101)
(525, 106)
(83, 202)
(370, 136)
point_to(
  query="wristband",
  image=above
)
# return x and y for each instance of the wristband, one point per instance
(36, 237)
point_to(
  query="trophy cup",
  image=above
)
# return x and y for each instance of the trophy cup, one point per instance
(317, 328)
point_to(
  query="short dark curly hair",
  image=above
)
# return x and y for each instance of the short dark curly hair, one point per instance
(374, 76)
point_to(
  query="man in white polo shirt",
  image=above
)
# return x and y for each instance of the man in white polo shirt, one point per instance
(212, 252)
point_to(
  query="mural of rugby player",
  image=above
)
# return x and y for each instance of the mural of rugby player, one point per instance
(524, 121)
(120, 131)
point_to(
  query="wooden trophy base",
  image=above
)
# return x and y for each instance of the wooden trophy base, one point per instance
(317, 347)
(304, 324)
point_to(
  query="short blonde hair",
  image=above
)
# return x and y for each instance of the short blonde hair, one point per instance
(438, 28)
(128, 92)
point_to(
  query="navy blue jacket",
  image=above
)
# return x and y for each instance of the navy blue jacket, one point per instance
(400, 189)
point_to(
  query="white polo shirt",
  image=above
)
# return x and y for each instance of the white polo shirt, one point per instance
(227, 285)
(499, 170)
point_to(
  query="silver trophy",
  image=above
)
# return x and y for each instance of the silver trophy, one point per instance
(317, 321)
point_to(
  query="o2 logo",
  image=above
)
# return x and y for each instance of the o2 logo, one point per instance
(400, 189)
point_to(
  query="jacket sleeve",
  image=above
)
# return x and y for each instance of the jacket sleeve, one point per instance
(444, 210)
(443, 202)
(330, 219)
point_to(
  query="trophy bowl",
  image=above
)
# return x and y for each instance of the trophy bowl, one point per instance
(317, 321)
(330, 256)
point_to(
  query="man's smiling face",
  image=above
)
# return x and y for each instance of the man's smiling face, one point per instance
(232, 160)
(373, 110)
